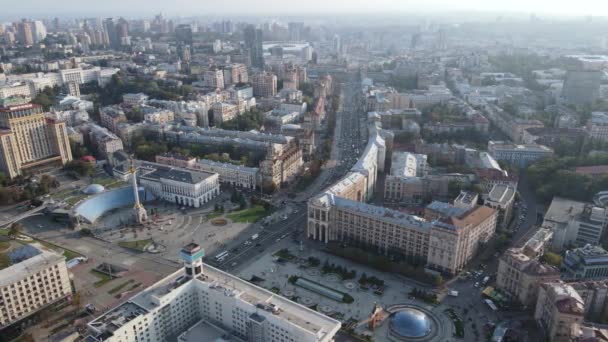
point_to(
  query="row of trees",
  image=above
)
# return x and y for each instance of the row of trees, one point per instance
(247, 121)
(555, 177)
(31, 190)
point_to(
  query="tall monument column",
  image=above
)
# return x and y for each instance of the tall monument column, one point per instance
(139, 212)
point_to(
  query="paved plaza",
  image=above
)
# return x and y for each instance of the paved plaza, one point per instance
(276, 275)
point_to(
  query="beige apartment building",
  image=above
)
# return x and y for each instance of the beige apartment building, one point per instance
(446, 244)
(38, 281)
(264, 84)
(223, 112)
(29, 141)
(454, 240)
(560, 310)
(521, 275)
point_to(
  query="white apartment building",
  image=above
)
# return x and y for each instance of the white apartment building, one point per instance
(15, 89)
(200, 296)
(574, 223)
(133, 100)
(37, 278)
(213, 78)
(405, 164)
(501, 198)
(236, 175)
(518, 155)
(181, 186)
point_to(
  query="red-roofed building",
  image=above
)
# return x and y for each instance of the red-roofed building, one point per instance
(595, 170)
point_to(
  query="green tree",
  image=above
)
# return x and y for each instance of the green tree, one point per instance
(15, 229)
(552, 259)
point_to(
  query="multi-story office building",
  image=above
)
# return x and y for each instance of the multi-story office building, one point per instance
(235, 73)
(214, 78)
(104, 141)
(520, 275)
(583, 79)
(223, 112)
(454, 240)
(235, 175)
(405, 164)
(585, 263)
(574, 223)
(201, 303)
(111, 116)
(178, 160)
(15, 89)
(339, 214)
(559, 310)
(180, 186)
(29, 140)
(466, 200)
(281, 164)
(415, 190)
(36, 278)
(138, 99)
(597, 126)
(253, 42)
(501, 198)
(264, 84)
(518, 155)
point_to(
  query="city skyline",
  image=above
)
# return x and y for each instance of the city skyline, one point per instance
(267, 7)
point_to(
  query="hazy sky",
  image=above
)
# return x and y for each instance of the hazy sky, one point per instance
(206, 7)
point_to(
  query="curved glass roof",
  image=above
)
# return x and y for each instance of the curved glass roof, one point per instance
(410, 323)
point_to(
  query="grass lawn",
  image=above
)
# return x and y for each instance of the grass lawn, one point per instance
(5, 261)
(103, 278)
(214, 214)
(4, 245)
(138, 245)
(115, 289)
(248, 215)
(61, 195)
(67, 253)
(74, 199)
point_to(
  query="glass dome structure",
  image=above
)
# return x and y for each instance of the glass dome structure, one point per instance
(410, 323)
(93, 189)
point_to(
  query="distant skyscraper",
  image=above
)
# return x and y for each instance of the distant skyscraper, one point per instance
(295, 31)
(39, 31)
(183, 33)
(122, 31)
(24, 33)
(253, 42)
(582, 83)
(110, 28)
(415, 41)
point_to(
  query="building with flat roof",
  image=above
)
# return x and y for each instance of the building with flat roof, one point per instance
(197, 300)
(597, 126)
(466, 200)
(585, 263)
(501, 198)
(518, 155)
(574, 223)
(36, 278)
(407, 164)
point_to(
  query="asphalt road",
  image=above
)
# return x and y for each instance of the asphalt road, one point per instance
(346, 149)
